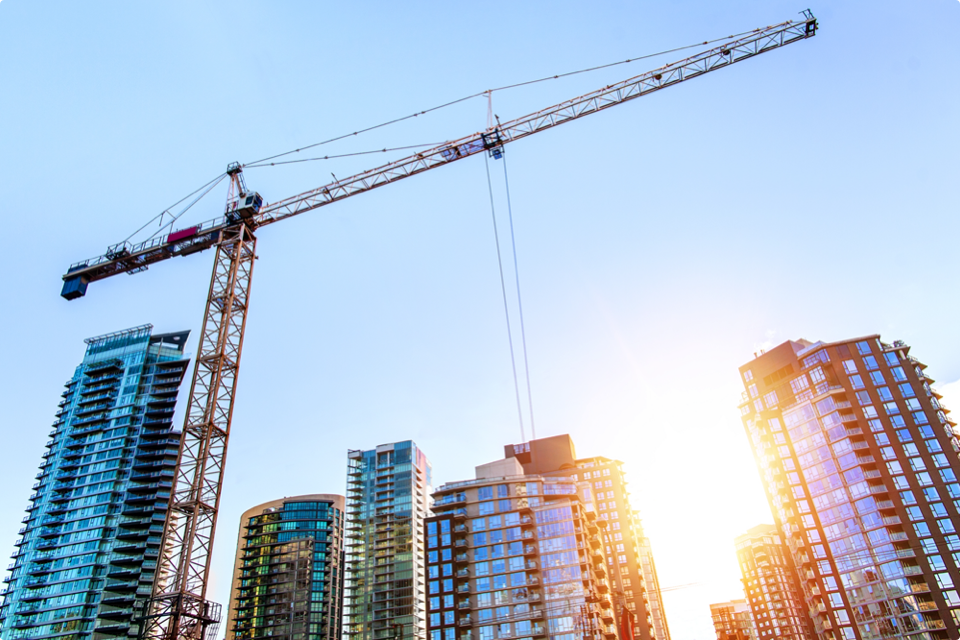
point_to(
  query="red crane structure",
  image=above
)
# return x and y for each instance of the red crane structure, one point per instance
(178, 608)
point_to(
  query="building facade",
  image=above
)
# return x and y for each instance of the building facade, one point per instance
(651, 584)
(514, 555)
(733, 620)
(388, 493)
(288, 573)
(771, 585)
(629, 553)
(859, 459)
(88, 550)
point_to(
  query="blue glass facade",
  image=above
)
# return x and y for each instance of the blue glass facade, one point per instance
(88, 551)
(387, 502)
(288, 575)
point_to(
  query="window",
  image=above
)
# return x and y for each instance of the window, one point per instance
(863, 398)
(870, 363)
(863, 348)
(748, 375)
(770, 399)
(849, 366)
(817, 375)
(485, 493)
(885, 394)
(898, 374)
(906, 390)
(876, 377)
(799, 383)
(856, 382)
(753, 390)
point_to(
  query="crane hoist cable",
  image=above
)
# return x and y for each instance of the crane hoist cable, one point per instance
(516, 273)
(506, 308)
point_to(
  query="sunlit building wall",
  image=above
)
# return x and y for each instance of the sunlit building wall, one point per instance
(648, 572)
(771, 585)
(860, 464)
(632, 573)
(733, 620)
(388, 493)
(88, 549)
(288, 572)
(517, 556)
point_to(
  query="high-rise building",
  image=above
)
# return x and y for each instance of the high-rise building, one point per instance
(771, 585)
(515, 555)
(89, 546)
(733, 620)
(288, 573)
(388, 493)
(651, 584)
(859, 459)
(629, 556)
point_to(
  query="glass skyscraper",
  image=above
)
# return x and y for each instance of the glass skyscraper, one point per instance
(859, 459)
(288, 574)
(388, 492)
(89, 546)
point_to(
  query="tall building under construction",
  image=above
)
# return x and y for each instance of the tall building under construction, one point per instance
(859, 460)
(388, 492)
(88, 549)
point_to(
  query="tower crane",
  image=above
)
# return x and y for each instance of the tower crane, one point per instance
(178, 608)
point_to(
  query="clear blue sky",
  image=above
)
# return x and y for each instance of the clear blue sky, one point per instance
(811, 192)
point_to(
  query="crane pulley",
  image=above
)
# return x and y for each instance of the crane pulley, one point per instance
(178, 608)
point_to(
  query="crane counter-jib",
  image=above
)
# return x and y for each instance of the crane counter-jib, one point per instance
(132, 258)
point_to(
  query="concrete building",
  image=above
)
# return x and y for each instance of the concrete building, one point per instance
(633, 578)
(88, 550)
(733, 620)
(288, 573)
(388, 492)
(516, 555)
(859, 460)
(771, 585)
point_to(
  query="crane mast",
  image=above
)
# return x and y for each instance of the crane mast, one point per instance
(178, 608)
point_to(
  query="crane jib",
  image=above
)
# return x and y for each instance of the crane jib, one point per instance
(127, 258)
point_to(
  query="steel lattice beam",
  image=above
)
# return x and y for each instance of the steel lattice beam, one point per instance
(178, 608)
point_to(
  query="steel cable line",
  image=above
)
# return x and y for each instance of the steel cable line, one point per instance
(516, 272)
(343, 155)
(160, 215)
(503, 289)
(490, 91)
